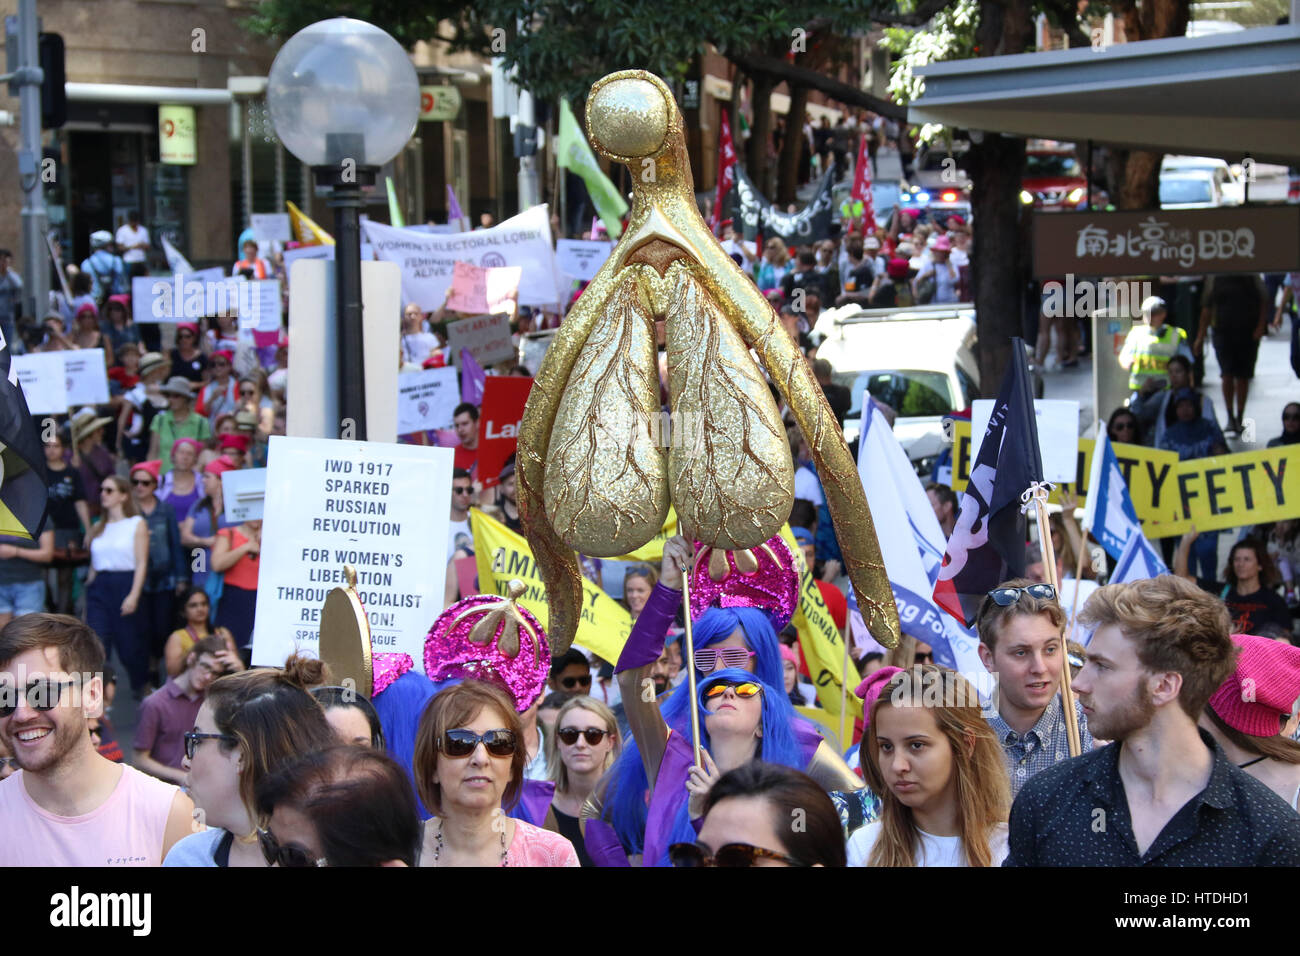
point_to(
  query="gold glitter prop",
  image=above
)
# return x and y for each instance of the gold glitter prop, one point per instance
(593, 473)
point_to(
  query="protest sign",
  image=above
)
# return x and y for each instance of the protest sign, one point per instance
(486, 336)
(271, 226)
(475, 289)
(504, 397)
(1229, 491)
(87, 379)
(183, 298)
(379, 507)
(243, 494)
(426, 399)
(821, 641)
(581, 258)
(1058, 434)
(503, 555)
(260, 305)
(43, 380)
(427, 260)
(322, 251)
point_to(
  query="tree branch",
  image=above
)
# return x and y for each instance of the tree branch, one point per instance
(924, 11)
(779, 69)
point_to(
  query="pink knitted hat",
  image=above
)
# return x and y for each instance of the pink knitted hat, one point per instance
(1260, 693)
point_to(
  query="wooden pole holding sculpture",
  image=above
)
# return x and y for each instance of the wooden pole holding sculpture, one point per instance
(689, 641)
(1036, 497)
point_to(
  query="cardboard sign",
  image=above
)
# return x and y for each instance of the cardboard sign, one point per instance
(582, 258)
(478, 290)
(184, 298)
(427, 260)
(1058, 434)
(271, 226)
(486, 336)
(379, 507)
(86, 377)
(44, 381)
(426, 399)
(504, 397)
(243, 493)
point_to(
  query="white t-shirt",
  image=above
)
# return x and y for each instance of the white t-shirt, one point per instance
(807, 488)
(454, 530)
(933, 850)
(127, 237)
(114, 548)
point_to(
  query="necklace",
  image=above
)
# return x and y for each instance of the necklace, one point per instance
(437, 850)
(1250, 762)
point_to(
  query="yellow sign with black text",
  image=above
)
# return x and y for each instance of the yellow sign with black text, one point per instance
(502, 555)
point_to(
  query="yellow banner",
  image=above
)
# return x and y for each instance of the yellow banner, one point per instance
(502, 555)
(1229, 491)
(652, 551)
(821, 641)
(1170, 496)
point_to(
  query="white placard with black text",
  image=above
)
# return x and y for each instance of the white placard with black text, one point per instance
(87, 378)
(382, 508)
(44, 382)
(426, 399)
(1058, 435)
(243, 494)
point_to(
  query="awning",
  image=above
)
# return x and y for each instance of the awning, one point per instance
(131, 93)
(1227, 94)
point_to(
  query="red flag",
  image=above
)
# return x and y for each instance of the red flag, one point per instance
(862, 186)
(726, 172)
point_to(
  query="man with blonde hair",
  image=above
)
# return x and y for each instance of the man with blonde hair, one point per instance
(1163, 793)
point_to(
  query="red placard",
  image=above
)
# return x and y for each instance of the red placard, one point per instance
(504, 397)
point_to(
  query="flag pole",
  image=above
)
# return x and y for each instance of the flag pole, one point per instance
(690, 669)
(1036, 497)
(1078, 577)
(844, 692)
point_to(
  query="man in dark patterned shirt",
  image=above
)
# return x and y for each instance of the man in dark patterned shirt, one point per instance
(1163, 794)
(1021, 630)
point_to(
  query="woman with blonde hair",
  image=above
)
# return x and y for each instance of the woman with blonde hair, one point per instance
(638, 583)
(775, 264)
(940, 774)
(581, 749)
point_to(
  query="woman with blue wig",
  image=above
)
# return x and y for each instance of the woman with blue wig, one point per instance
(727, 640)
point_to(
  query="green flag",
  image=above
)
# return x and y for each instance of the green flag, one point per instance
(394, 209)
(573, 151)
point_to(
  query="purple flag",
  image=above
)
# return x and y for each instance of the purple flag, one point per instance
(453, 207)
(472, 378)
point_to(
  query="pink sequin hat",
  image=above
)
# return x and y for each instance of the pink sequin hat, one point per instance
(765, 578)
(1261, 691)
(490, 638)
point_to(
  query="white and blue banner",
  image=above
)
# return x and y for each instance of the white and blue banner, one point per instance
(1137, 561)
(912, 545)
(1109, 515)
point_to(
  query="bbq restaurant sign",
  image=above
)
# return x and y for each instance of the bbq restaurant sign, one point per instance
(1173, 242)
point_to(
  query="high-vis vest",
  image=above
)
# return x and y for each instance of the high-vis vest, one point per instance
(1152, 351)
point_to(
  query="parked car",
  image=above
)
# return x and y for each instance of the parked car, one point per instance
(1193, 189)
(1226, 183)
(1053, 178)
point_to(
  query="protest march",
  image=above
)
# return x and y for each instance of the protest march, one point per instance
(619, 569)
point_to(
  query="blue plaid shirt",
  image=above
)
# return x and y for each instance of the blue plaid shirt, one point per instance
(1043, 745)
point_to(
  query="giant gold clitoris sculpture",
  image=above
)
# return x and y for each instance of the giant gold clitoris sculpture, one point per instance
(593, 476)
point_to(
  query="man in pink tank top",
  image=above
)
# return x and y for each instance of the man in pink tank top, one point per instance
(67, 805)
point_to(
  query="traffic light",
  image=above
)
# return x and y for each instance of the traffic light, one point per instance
(54, 97)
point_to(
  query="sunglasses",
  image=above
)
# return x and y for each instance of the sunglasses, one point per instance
(462, 743)
(10, 762)
(143, 483)
(1005, 597)
(733, 854)
(192, 741)
(706, 660)
(569, 735)
(571, 682)
(745, 689)
(462, 491)
(41, 695)
(287, 856)
(1124, 426)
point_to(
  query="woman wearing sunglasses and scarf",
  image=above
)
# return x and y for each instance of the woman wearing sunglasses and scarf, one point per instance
(250, 724)
(469, 764)
(739, 633)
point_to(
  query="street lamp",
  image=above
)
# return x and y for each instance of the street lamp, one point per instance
(344, 98)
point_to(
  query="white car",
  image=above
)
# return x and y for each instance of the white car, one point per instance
(920, 362)
(1194, 189)
(1229, 186)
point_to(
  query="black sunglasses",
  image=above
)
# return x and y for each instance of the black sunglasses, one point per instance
(42, 696)
(148, 483)
(462, 743)
(733, 854)
(287, 856)
(1005, 597)
(192, 741)
(569, 735)
(571, 682)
